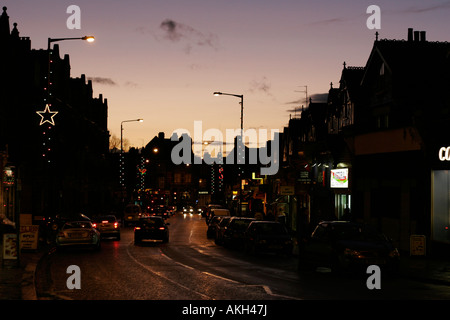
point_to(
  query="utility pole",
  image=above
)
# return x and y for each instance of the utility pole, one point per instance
(306, 97)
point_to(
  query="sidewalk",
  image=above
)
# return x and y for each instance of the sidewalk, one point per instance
(18, 283)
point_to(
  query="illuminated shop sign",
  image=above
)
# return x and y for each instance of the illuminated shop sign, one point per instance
(444, 154)
(339, 178)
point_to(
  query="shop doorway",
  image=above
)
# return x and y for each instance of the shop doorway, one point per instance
(342, 206)
(440, 204)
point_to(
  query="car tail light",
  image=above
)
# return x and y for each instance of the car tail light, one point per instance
(161, 228)
(116, 225)
(137, 228)
(105, 221)
(94, 225)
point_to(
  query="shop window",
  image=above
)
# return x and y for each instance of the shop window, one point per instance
(441, 205)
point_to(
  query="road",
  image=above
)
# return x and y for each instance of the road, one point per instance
(192, 267)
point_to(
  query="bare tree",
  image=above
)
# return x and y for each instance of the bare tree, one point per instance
(114, 144)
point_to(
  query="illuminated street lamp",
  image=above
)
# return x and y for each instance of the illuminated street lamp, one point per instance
(241, 144)
(85, 38)
(121, 131)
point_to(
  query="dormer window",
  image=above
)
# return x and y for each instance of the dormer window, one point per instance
(382, 69)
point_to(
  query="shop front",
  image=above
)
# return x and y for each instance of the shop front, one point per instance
(440, 196)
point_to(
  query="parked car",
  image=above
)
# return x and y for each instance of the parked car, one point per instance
(268, 236)
(107, 226)
(220, 229)
(78, 233)
(234, 231)
(151, 228)
(213, 225)
(216, 212)
(208, 214)
(343, 245)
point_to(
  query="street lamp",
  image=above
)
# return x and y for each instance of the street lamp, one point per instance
(242, 105)
(121, 131)
(121, 148)
(85, 38)
(241, 144)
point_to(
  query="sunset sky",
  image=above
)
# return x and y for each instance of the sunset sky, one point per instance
(162, 60)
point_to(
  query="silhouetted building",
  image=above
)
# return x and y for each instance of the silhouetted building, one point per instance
(401, 125)
(52, 128)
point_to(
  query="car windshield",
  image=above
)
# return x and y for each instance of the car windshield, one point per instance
(355, 232)
(241, 224)
(271, 228)
(150, 222)
(105, 219)
(77, 224)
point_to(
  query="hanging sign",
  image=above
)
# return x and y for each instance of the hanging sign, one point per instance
(339, 178)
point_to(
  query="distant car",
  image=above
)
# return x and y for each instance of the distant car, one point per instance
(188, 209)
(234, 232)
(107, 226)
(161, 211)
(132, 214)
(212, 227)
(78, 233)
(343, 245)
(268, 236)
(151, 228)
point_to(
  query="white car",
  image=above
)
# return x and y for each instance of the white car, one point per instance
(78, 233)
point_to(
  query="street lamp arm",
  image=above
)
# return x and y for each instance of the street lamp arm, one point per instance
(140, 120)
(86, 38)
(228, 94)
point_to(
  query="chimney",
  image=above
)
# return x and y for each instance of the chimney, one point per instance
(416, 36)
(423, 36)
(410, 34)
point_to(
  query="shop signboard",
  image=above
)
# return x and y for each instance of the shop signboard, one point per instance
(339, 178)
(10, 246)
(417, 245)
(287, 190)
(29, 237)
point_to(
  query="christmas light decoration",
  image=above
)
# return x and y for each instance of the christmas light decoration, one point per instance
(47, 115)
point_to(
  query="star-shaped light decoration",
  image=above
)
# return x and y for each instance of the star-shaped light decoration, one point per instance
(47, 115)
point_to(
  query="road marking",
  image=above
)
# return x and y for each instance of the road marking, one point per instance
(265, 287)
(159, 274)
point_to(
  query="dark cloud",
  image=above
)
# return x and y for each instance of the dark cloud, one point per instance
(261, 85)
(414, 9)
(317, 97)
(327, 21)
(176, 32)
(101, 80)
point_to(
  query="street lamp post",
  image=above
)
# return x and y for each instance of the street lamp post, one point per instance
(48, 102)
(121, 151)
(241, 144)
